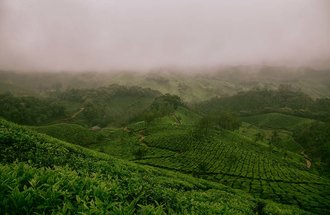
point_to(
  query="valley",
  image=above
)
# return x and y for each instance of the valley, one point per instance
(138, 150)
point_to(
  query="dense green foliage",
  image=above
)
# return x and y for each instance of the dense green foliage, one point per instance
(311, 135)
(260, 167)
(71, 133)
(162, 106)
(263, 135)
(223, 119)
(283, 100)
(113, 105)
(260, 100)
(186, 160)
(228, 120)
(29, 110)
(165, 104)
(50, 176)
(278, 121)
(230, 159)
(315, 139)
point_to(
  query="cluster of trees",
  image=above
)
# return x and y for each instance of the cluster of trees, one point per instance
(162, 106)
(259, 100)
(315, 139)
(29, 110)
(114, 104)
(222, 119)
(283, 100)
(166, 104)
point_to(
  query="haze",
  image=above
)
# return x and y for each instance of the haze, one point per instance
(102, 35)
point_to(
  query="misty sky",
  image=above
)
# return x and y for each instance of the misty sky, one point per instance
(127, 34)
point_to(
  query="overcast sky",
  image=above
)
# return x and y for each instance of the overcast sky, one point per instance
(127, 34)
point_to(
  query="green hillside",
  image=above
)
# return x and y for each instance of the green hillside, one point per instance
(235, 161)
(72, 133)
(224, 157)
(40, 174)
(113, 105)
(134, 150)
(278, 121)
(285, 139)
(30, 110)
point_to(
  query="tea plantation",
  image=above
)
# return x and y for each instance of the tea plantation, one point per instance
(43, 175)
(238, 162)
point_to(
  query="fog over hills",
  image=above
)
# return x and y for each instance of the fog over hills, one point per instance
(105, 35)
(165, 107)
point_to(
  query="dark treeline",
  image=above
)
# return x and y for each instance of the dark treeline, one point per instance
(315, 139)
(283, 100)
(101, 106)
(119, 105)
(116, 105)
(29, 110)
(162, 106)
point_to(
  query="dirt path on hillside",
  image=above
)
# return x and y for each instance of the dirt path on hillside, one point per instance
(177, 119)
(73, 115)
(308, 160)
(141, 138)
(78, 112)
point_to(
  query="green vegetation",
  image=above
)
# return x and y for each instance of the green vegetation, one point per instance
(315, 139)
(262, 168)
(263, 136)
(113, 105)
(40, 174)
(71, 133)
(263, 151)
(230, 159)
(223, 120)
(278, 121)
(260, 100)
(165, 105)
(29, 110)
(190, 85)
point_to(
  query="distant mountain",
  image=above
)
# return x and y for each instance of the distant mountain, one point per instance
(192, 85)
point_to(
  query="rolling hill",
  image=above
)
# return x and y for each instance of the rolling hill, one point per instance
(224, 157)
(72, 133)
(191, 84)
(40, 174)
(278, 121)
(159, 154)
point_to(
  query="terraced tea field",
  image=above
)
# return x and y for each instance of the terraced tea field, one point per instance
(278, 121)
(233, 160)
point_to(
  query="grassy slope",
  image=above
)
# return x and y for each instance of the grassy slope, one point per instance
(286, 140)
(72, 133)
(231, 158)
(277, 121)
(40, 174)
(113, 105)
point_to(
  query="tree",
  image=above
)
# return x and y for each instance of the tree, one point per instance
(202, 127)
(315, 139)
(228, 120)
(165, 104)
(274, 140)
(148, 117)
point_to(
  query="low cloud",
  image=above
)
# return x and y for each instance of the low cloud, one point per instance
(104, 35)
